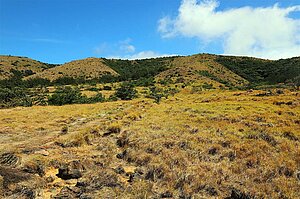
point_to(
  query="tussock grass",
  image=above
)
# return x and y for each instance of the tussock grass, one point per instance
(212, 144)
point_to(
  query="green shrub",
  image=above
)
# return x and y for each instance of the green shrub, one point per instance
(97, 98)
(207, 86)
(156, 94)
(93, 89)
(14, 97)
(171, 91)
(67, 95)
(126, 92)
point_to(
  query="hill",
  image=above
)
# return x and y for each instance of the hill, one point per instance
(201, 68)
(25, 66)
(219, 71)
(88, 68)
(260, 71)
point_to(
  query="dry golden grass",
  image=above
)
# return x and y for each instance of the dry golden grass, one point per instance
(202, 145)
(187, 67)
(18, 63)
(87, 68)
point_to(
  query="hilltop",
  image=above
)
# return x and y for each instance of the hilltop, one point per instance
(88, 68)
(25, 66)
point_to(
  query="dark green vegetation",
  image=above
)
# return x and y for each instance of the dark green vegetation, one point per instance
(14, 97)
(126, 92)
(213, 77)
(138, 69)
(68, 95)
(259, 71)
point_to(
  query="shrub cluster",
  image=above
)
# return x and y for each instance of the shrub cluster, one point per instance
(126, 92)
(69, 95)
(14, 97)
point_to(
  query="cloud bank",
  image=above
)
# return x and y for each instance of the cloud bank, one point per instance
(142, 55)
(267, 32)
(146, 55)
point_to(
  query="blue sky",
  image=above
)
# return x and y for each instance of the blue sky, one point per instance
(58, 31)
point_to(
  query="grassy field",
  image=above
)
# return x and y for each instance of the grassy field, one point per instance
(206, 144)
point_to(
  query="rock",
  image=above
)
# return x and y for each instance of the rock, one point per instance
(42, 152)
(71, 171)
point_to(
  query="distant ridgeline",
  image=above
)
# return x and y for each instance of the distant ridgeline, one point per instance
(25, 72)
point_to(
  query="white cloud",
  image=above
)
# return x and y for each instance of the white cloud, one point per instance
(126, 47)
(120, 47)
(142, 55)
(149, 54)
(125, 50)
(267, 32)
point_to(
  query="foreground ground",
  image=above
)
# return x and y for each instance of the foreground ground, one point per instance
(212, 144)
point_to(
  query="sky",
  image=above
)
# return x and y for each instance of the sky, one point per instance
(59, 31)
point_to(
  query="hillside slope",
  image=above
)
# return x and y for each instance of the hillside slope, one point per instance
(86, 68)
(24, 65)
(203, 68)
(262, 71)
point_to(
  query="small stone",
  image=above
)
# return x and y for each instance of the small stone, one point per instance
(42, 152)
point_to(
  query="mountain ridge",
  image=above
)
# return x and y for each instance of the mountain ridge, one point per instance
(216, 69)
